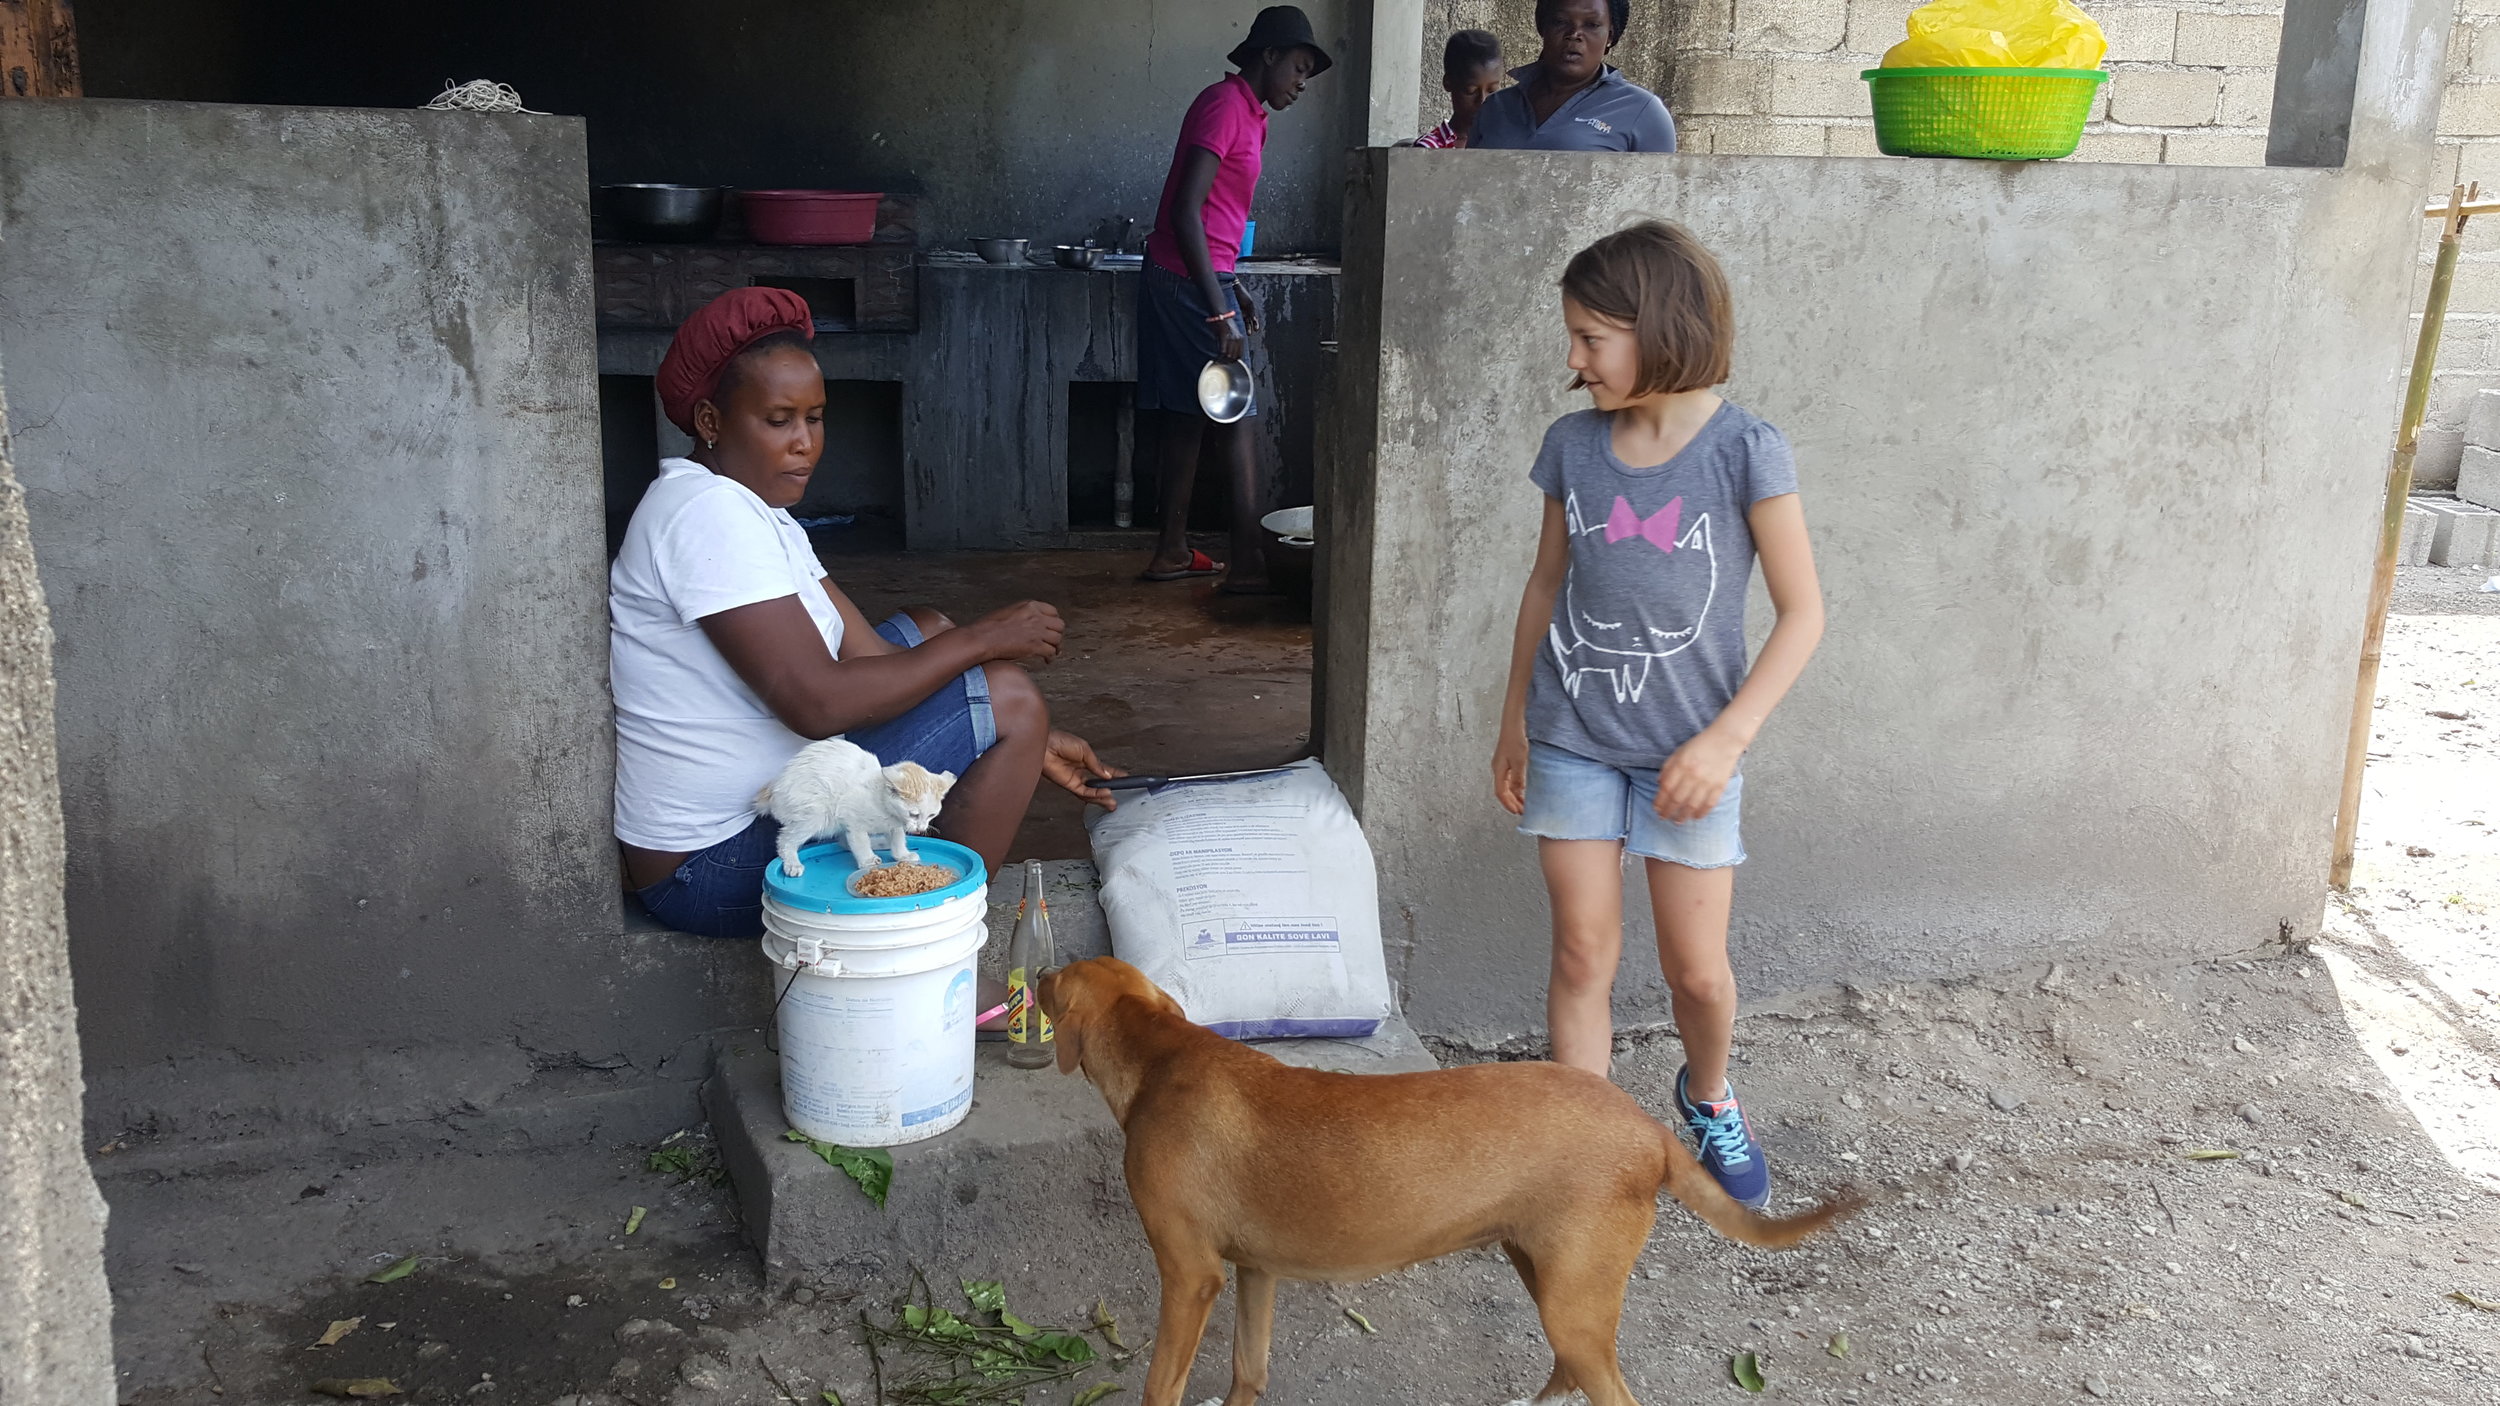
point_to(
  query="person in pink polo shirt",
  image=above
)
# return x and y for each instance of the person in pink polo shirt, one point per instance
(1190, 312)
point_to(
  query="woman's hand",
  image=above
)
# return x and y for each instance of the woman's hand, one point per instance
(1693, 780)
(1510, 771)
(1249, 311)
(1026, 630)
(1069, 761)
(1229, 341)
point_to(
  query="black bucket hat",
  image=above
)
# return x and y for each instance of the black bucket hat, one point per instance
(1280, 27)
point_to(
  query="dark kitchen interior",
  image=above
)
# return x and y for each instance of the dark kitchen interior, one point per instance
(977, 416)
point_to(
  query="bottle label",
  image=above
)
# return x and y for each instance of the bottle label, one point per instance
(1027, 1024)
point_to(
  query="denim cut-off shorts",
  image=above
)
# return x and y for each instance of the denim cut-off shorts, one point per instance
(719, 892)
(1572, 797)
(1175, 341)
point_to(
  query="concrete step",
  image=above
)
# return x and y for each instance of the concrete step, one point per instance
(1031, 1176)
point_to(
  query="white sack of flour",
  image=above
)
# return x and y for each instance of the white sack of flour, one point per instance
(1252, 902)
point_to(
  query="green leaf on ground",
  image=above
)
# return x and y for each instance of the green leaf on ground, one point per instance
(830, 1397)
(1016, 1325)
(2212, 1154)
(1838, 1346)
(1745, 1369)
(1360, 1321)
(340, 1328)
(395, 1273)
(1095, 1393)
(634, 1221)
(2486, 1305)
(688, 1163)
(871, 1167)
(2352, 1199)
(1067, 1347)
(987, 1295)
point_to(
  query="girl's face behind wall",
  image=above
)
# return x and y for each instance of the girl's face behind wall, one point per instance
(1469, 90)
(1605, 354)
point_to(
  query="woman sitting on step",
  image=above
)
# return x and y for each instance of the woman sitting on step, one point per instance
(731, 649)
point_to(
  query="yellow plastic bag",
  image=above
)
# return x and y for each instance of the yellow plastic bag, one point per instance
(2026, 33)
(1952, 48)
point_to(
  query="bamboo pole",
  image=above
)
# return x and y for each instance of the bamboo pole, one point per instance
(2391, 533)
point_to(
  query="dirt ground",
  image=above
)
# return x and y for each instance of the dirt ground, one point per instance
(2043, 1228)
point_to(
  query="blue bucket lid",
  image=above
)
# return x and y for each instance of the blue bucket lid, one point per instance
(826, 886)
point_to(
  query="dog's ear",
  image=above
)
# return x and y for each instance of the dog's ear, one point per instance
(1068, 1036)
(1065, 989)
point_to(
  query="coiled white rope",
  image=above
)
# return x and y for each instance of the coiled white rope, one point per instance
(479, 95)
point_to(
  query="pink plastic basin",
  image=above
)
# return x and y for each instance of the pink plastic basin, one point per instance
(811, 216)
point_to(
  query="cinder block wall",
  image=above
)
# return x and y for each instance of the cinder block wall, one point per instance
(2469, 150)
(2191, 84)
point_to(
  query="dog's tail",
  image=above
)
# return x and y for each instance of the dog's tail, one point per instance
(1701, 1194)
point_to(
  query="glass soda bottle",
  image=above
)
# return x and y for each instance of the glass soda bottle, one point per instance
(1028, 956)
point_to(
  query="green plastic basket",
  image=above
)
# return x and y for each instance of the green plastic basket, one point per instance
(1998, 114)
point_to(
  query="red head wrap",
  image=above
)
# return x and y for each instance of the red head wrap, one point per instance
(707, 342)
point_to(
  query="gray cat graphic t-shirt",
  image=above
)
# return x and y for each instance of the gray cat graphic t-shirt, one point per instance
(1647, 643)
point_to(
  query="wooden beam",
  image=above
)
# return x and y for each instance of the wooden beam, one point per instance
(38, 50)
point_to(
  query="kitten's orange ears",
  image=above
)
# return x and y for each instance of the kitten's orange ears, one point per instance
(916, 782)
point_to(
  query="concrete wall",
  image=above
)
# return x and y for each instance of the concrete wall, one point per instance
(2190, 84)
(2092, 455)
(1036, 117)
(56, 1315)
(308, 428)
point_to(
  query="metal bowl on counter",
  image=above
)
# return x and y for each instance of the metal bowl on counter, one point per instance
(1078, 256)
(670, 214)
(1224, 391)
(999, 250)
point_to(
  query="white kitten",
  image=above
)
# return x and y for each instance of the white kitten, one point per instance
(835, 787)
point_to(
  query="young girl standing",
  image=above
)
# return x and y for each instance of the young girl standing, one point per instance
(1630, 705)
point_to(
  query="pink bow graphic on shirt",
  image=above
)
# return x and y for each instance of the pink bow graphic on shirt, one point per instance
(1659, 529)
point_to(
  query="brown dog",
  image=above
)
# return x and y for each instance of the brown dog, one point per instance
(1305, 1174)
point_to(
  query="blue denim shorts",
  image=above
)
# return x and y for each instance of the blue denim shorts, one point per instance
(1571, 797)
(1175, 341)
(719, 892)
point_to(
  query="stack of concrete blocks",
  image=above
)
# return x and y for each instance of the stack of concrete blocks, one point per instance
(2463, 530)
(2469, 152)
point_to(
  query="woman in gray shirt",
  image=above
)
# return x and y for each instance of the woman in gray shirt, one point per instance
(1571, 99)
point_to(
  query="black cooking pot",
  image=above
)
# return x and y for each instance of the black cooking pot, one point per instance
(661, 213)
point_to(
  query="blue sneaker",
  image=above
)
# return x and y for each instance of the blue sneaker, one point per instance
(1728, 1151)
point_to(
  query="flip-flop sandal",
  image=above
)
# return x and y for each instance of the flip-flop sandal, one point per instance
(1200, 564)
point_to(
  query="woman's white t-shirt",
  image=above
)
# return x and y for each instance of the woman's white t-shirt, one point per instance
(693, 742)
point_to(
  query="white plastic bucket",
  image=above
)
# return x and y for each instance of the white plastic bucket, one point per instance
(875, 1001)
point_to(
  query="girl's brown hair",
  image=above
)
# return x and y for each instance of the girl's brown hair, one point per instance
(1657, 279)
